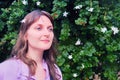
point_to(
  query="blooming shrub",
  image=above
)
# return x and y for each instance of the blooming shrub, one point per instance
(87, 32)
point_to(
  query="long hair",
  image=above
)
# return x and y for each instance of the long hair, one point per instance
(21, 47)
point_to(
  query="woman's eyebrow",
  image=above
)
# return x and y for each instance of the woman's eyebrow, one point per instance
(39, 24)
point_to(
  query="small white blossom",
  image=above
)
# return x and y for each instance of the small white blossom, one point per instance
(24, 2)
(13, 2)
(78, 42)
(91, 9)
(83, 66)
(103, 29)
(115, 30)
(65, 14)
(78, 7)
(70, 57)
(38, 3)
(75, 75)
(91, 77)
(23, 21)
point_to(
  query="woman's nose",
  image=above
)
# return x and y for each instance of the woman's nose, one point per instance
(46, 33)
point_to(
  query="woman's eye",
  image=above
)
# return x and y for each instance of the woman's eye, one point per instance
(38, 28)
(51, 29)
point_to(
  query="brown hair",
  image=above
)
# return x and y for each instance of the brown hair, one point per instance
(21, 47)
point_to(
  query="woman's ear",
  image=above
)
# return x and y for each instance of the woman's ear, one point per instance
(25, 36)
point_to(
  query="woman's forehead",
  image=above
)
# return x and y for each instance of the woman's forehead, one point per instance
(44, 20)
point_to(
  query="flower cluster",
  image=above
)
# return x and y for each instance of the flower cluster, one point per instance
(114, 29)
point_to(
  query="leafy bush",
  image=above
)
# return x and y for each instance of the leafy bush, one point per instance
(87, 31)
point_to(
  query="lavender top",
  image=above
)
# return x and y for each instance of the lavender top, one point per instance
(15, 69)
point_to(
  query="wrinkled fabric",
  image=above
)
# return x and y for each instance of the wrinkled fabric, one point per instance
(15, 69)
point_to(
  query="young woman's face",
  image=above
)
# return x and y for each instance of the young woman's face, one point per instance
(40, 34)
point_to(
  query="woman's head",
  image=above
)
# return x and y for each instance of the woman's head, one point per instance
(30, 19)
(40, 34)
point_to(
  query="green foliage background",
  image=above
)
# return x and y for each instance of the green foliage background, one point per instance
(98, 52)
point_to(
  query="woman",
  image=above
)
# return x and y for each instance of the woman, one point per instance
(34, 52)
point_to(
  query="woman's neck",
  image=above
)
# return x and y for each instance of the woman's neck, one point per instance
(36, 55)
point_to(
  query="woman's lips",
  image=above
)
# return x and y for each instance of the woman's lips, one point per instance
(45, 40)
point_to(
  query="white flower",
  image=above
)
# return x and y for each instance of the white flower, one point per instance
(83, 66)
(13, 2)
(90, 9)
(24, 2)
(38, 3)
(78, 7)
(103, 29)
(23, 21)
(115, 30)
(70, 57)
(78, 42)
(75, 75)
(91, 77)
(65, 14)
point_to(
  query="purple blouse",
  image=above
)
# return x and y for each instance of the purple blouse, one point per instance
(15, 69)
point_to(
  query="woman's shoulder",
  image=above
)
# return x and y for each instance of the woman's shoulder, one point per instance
(9, 69)
(10, 66)
(9, 63)
(12, 69)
